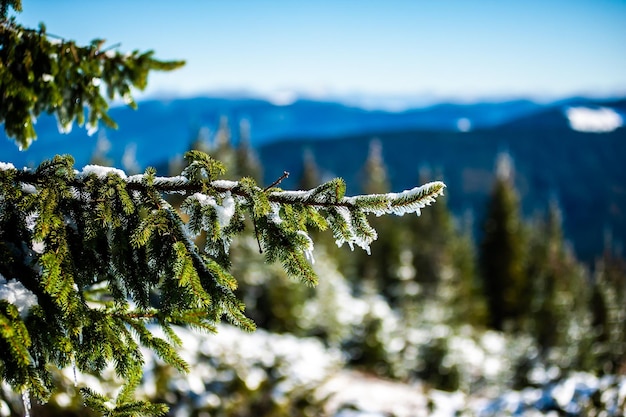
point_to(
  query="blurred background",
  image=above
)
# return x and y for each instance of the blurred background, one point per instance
(507, 297)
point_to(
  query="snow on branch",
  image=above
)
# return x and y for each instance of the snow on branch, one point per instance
(211, 203)
(407, 201)
(15, 293)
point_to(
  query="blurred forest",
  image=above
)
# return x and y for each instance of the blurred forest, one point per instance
(520, 276)
(510, 309)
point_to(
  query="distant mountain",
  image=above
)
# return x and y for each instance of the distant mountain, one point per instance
(582, 170)
(162, 129)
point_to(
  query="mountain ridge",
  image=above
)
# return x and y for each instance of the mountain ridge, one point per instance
(179, 120)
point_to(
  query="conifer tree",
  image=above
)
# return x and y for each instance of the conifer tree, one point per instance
(559, 288)
(92, 260)
(310, 176)
(43, 73)
(246, 161)
(609, 310)
(458, 287)
(381, 267)
(222, 148)
(502, 253)
(375, 175)
(431, 250)
(443, 259)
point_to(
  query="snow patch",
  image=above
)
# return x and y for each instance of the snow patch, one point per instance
(224, 184)
(464, 124)
(588, 120)
(282, 98)
(91, 129)
(15, 293)
(224, 212)
(64, 127)
(100, 171)
(355, 394)
(308, 249)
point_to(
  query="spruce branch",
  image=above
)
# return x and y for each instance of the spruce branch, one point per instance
(111, 242)
(327, 195)
(41, 72)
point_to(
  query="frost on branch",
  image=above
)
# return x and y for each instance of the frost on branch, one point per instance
(346, 215)
(113, 256)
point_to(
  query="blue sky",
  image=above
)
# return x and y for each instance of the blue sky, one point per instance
(451, 49)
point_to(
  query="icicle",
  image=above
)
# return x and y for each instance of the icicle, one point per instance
(308, 249)
(26, 401)
(74, 371)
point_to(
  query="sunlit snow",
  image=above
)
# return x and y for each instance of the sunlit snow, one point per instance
(588, 120)
(308, 249)
(464, 124)
(15, 293)
(101, 172)
(224, 212)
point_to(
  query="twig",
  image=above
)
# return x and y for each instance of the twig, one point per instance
(114, 46)
(278, 181)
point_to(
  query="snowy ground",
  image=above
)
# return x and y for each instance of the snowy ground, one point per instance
(232, 364)
(291, 365)
(358, 395)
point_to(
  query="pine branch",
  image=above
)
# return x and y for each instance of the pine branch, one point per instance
(46, 73)
(408, 201)
(110, 242)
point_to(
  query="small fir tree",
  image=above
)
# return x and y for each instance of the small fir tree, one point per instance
(93, 260)
(381, 267)
(559, 286)
(310, 176)
(502, 253)
(609, 311)
(246, 160)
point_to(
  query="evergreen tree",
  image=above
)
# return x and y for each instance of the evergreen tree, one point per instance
(544, 268)
(222, 148)
(431, 251)
(502, 253)
(375, 176)
(92, 261)
(443, 264)
(609, 310)
(310, 176)
(558, 286)
(381, 267)
(459, 287)
(246, 161)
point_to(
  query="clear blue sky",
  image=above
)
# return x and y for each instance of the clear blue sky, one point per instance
(457, 49)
